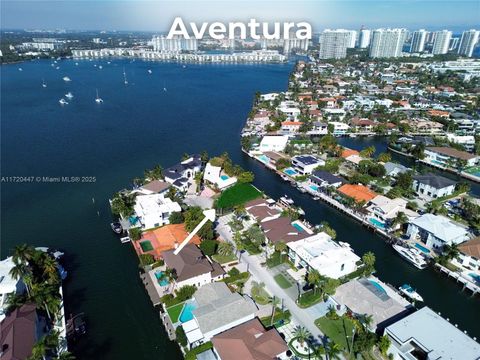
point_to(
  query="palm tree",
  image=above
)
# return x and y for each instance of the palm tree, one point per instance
(45, 299)
(314, 278)
(225, 248)
(22, 271)
(50, 269)
(302, 334)
(451, 251)
(274, 301)
(319, 351)
(14, 301)
(281, 247)
(39, 350)
(22, 254)
(333, 351)
(366, 320)
(400, 219)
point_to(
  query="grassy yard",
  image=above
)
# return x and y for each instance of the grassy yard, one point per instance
(309, 298)
(237, 195)
(276, 259)
(224, 259)
(337, 330)
(282, 281)
(174, 312)
(260, 296)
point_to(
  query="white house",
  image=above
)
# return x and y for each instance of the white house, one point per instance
(305, 164)
(433, 185)
(426, 335)
(318, 128)
(182, 175)
(393, 169)
(291, 126)
(321, 253)
(339, 128)
(154, 210)
(467, 141)
(449, 157)
(269, 97)
(436, 231)
(8, 285)
(214, 175)
(216, 309)
(469, 256)
(289, 108)
(385, 210)
(273, 143)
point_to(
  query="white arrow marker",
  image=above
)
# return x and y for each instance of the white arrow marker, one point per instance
(209, 215)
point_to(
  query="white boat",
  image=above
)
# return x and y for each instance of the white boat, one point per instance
(100, 67)
(76, 64)
(125, 81)
(98, 99)
(66, 78)
(149, 71)
(164, 87)
(58, 67)
(410, 292)
(69, 95)
(411, 256)
(43, 83)
(20, 69)
(62, 101)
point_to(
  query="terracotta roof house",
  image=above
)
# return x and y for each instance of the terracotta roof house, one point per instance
(261, 210)
(357, 192)
(192, 267)
(349, 152)
(19, 332)
(165, 238)
(281, 229)
(470, 254)
(249, 341)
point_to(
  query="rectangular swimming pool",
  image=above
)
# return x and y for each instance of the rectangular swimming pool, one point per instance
(224, 177)
(422, 248)
(298, 227)
(314, 187)
(377, 223)
(264, 159)
(290, 172)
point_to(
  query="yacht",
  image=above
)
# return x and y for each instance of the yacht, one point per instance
(69, 95)
(149, 71)
(62, 101)
(287, 203)
(43, 83)
(410, 292)
(125, 81)
(98, 99)
(66, 78)
(20, 69)
(413, 257)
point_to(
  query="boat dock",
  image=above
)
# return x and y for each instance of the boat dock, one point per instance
(467, 284)
(152, 293)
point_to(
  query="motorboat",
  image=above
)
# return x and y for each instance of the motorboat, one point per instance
(62, 101)
(125, 81)
(76, 325)
(66, 78)
(20, 69)
(149, 71)
(116, 227)
(98, 99)
(412, 256)
(100, 67)
(410, 292)
(69, 95)
(43, 83)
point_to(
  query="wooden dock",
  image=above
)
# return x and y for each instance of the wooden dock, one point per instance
(466, 284)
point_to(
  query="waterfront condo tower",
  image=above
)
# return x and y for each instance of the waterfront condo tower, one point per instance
(468, 41)
(364, 39)
(387, 43)
(442, 42)
(419, 38)
(334, 43)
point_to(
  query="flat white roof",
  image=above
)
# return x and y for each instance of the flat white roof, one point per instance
(7, 283)
(436, 335)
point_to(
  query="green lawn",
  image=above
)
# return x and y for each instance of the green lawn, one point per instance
(237, 195)
(282, 281)
(337, 330)
(224, 259)
(309, 298)
(174, 312)
(146, 246)
(260, 296)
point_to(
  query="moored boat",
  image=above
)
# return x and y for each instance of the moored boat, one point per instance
(410, 292)
(411, 256)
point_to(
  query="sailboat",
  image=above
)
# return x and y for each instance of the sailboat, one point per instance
(98, 99)
(125, 81)
(43, 83)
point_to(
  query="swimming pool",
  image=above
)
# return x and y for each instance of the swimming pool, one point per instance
(264, 159)
(314, 187)
(224, 177)
(475, 277)
(377, 223)
(378, 286)
(290, 172)
(162, 281)
(422, 248)
(298, 227)
(187, 314)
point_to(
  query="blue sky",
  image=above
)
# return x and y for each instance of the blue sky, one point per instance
(158, 15)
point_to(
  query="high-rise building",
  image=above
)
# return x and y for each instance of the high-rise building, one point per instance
(364, 38)
(387, 43)
(334, 43)
(161, 43)
(352, 39)
(292, 43)
(419, 38)
(454, 43)
(468, 41)
(442, 42)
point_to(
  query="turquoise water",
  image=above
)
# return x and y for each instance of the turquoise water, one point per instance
(314, 187)
(377, 223)
(264, 159)
(290, 172)
(298, 227)
(475, 277)
(187, 314)
(224, 177)
(378, 286)
(161, 282)
(422, 248)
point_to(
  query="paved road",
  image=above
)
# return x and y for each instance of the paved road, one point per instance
(301, 316)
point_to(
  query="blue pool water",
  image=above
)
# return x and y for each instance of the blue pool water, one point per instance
(475, 277)
(290, 172)
(264, 159)
(314, 187)
(161, 282)
(224, 177)
(298, 227)
(377, 223)
(187, 314)
(378, 286)
(422, 248)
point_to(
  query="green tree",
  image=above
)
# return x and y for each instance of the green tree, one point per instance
(208, 247)
(246, 177)
(135, 233)
(333, 351)
(400, 219)
(384, 157)
(302, 334)
(22, 253)
(325, 226)
(274, 301)
(281, 247)
(176, 217)
(368, 152)
(383, 344)
(314, 278)
(180, 336)
(451, 251)
(369, 261)
(225, 248)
